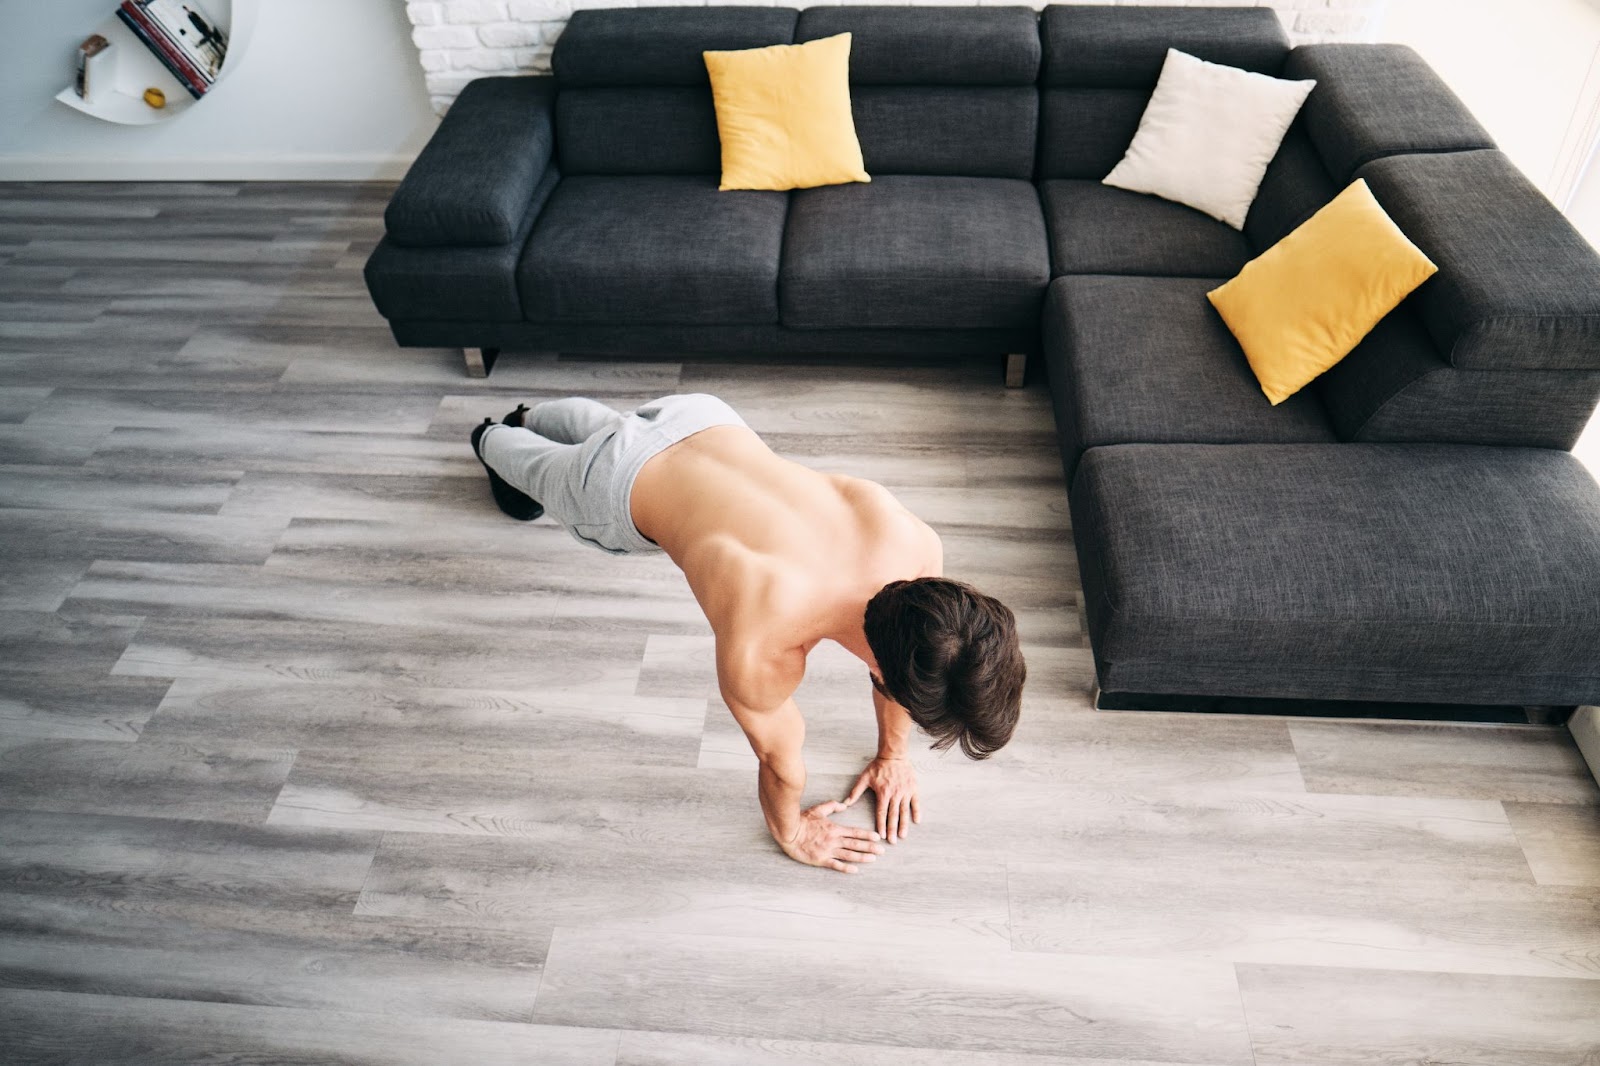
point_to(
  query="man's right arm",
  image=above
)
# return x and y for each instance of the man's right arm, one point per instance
(809, 836)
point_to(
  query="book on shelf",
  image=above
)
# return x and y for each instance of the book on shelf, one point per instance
(182, 37)
(177, 65)
(188, 27)
(94, 63)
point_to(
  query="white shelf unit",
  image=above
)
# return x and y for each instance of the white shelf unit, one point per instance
(135, 69)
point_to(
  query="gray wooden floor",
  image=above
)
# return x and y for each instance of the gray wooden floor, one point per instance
(308, 755)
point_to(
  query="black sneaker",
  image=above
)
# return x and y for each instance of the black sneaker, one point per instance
(515, 417)
(514, 502)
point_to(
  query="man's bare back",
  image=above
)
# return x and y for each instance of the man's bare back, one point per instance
(781, 557)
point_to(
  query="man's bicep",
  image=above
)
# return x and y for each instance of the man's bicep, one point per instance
(774, 735)
(760, 693)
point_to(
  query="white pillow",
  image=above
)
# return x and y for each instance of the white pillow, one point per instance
(1208, 134)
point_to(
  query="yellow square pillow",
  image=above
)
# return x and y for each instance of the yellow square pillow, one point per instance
(1303, 304)
(783, 114)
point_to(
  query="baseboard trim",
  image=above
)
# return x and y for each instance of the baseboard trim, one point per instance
(1585, 726)
(207, 168)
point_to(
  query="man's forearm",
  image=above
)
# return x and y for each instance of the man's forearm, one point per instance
(781, 784)
(894, 728)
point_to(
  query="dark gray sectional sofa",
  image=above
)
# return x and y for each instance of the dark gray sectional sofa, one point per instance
(1410, 527)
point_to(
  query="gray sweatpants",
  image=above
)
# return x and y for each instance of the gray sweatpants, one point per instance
(579, 458)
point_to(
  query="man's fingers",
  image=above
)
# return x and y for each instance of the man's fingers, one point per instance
(858, 834)
(831, 807)
(842, 867)
(862, 847)
(855, 793)
(916, 810)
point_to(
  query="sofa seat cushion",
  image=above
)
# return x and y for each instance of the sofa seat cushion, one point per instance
(915, 251)
(1097, 229)
(1412, 572)
(657, 250)
(1149, 361)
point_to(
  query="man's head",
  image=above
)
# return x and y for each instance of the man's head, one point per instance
(949, 655)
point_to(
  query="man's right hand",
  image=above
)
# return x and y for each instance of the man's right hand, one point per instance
(820, 841)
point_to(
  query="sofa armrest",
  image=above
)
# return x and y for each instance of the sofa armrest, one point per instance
(472, 183)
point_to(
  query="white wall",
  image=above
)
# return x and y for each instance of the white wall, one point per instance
(1521, 66)
(325, 89)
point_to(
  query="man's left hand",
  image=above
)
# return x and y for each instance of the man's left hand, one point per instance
(894, 782)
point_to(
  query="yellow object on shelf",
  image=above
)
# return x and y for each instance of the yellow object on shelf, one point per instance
(155, 97)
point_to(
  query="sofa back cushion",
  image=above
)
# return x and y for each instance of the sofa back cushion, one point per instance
(1295, 187)
(1102, 63)
(941, 90)
(1377, 100)
(633, 93)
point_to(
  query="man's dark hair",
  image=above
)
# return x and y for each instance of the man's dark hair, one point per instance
(949, 655)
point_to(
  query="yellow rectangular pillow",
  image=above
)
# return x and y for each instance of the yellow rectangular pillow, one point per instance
(783, 114)
(1303, 304)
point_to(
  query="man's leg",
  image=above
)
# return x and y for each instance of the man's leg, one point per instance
(530, 463)
(570, 421)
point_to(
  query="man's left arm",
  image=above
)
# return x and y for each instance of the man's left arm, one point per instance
(890, 774)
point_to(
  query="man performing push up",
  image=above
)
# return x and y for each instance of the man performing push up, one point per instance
(780, 558)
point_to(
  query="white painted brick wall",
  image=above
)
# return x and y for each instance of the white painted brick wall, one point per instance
(458, 40)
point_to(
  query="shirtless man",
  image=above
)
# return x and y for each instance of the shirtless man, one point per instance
(780, 557)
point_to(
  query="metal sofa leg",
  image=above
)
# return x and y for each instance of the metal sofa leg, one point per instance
(480, 361)
(1016, 369)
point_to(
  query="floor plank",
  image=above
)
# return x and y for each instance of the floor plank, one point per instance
(1523, 763)
(61, 1028)
(1466, 1019)
(211, 782)
(684, 1049)
(1562, 842)
(1307, 912)
(595, 877)
(980, 1001)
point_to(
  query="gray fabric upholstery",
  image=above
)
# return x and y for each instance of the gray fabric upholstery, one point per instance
(978, 132)
(1376, 100)
(1396, 354)
(1123, 47)
(468, 284)
(1083, 133)
(1517, 286)
(1418, 572)
(471, 182)
(669, 250)
(1528, 408)
(1294, 188)
(915, 252)
(1096, 229)
(635, 97)
(1147, 360)
(1396, 387)
(931, 46)
(660, 46)
(638, 131)
(939, 90)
